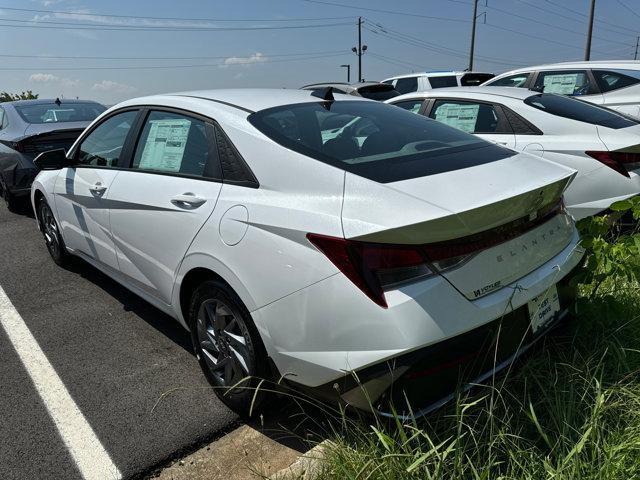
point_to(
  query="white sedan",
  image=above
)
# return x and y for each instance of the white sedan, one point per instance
(611, 83)
(601, 144)
(395, 250)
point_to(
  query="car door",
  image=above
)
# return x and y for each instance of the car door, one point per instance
(82, 190)
(481, 118)
(163, 199)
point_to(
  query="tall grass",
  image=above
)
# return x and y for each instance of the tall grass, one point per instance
(571, 410)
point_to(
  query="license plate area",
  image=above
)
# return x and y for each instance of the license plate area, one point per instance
(543, 308)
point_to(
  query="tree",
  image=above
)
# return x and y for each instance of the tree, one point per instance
(10, 97)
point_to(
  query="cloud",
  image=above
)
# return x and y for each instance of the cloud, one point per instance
(250, 60)
(43, 77)
(51, 78)
(111, 86)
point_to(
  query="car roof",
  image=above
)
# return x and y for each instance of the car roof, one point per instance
(509, 92)
(442, 73)
(243, 99)
(618, 64)
(48, 101)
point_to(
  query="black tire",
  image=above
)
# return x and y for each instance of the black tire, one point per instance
(51, 233)
(222, 331)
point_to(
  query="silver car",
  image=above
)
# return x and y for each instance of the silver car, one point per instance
(29, 127)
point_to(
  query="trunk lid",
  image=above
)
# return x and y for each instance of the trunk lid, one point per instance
(468, 205)
(33, 145)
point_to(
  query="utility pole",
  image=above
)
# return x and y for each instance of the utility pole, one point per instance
(360, 49)
(635, 57)
(473, 33)
(348, 67)
(587, 52)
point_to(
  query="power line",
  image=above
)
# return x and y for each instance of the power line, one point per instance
(390, 12)
(628, 8)
(77, 26)
(81, 57)
(137, 17)
(634, 31)
(155, 67)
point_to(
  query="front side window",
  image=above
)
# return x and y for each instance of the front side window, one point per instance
(407, 85)
(58, 113)
(380, 142)
(2, 119)
(172, 143)
(609, 80)
(443, 82)
(470, 117)
(517, 80)
(412, 106)
(103, 146)
(565, 82)
(579, 110)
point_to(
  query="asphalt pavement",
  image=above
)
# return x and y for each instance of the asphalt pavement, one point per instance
(128, 367)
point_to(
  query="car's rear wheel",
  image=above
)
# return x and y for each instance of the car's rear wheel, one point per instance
(228, 346)
(51, 233)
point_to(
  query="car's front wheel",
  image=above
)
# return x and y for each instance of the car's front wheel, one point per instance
(51, 233)
(228, 346)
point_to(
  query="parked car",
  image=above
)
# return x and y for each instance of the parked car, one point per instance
(28, 127)
(613, 84)
(601, 144)
(371, 90)
(417, 82)
(395, 254)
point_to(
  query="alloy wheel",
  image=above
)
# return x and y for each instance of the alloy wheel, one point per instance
(51, 235)
(223, 343)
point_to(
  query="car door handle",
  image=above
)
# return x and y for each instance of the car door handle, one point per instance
(187, 200)
(98, 189)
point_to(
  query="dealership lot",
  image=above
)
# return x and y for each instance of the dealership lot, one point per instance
(128, 367)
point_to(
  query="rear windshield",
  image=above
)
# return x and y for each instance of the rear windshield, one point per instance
(579, 110)
(379, 141)
(378, 92)
(54, 113)
(474, 79)
(443, 82)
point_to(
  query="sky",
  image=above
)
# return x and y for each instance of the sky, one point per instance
(111, 51)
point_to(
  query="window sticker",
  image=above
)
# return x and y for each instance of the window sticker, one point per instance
(165, 145)
(460, 116)
(563, 84)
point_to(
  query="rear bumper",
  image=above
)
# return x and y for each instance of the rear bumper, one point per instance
(330, 339)
(17, 180)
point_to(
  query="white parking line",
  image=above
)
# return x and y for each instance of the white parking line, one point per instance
(90, 456)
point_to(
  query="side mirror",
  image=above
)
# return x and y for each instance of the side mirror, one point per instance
(52, 160)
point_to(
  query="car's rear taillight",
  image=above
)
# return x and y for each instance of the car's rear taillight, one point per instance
(621, 162)
(18, 146)
(372, 267)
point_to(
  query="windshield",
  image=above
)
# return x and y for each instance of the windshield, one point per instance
(54, 113)
(579, 110)
(374, 140)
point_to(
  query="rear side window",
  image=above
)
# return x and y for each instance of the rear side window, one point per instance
(443, 82)
(609, 80)
(380, 142)
(579, 110)
(412, 106)
(565, 82)
(470, 117)
(517, 80)
(172, 143)
(407, 85)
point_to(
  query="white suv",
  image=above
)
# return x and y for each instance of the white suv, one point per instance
(418, 82)
(614, 84)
